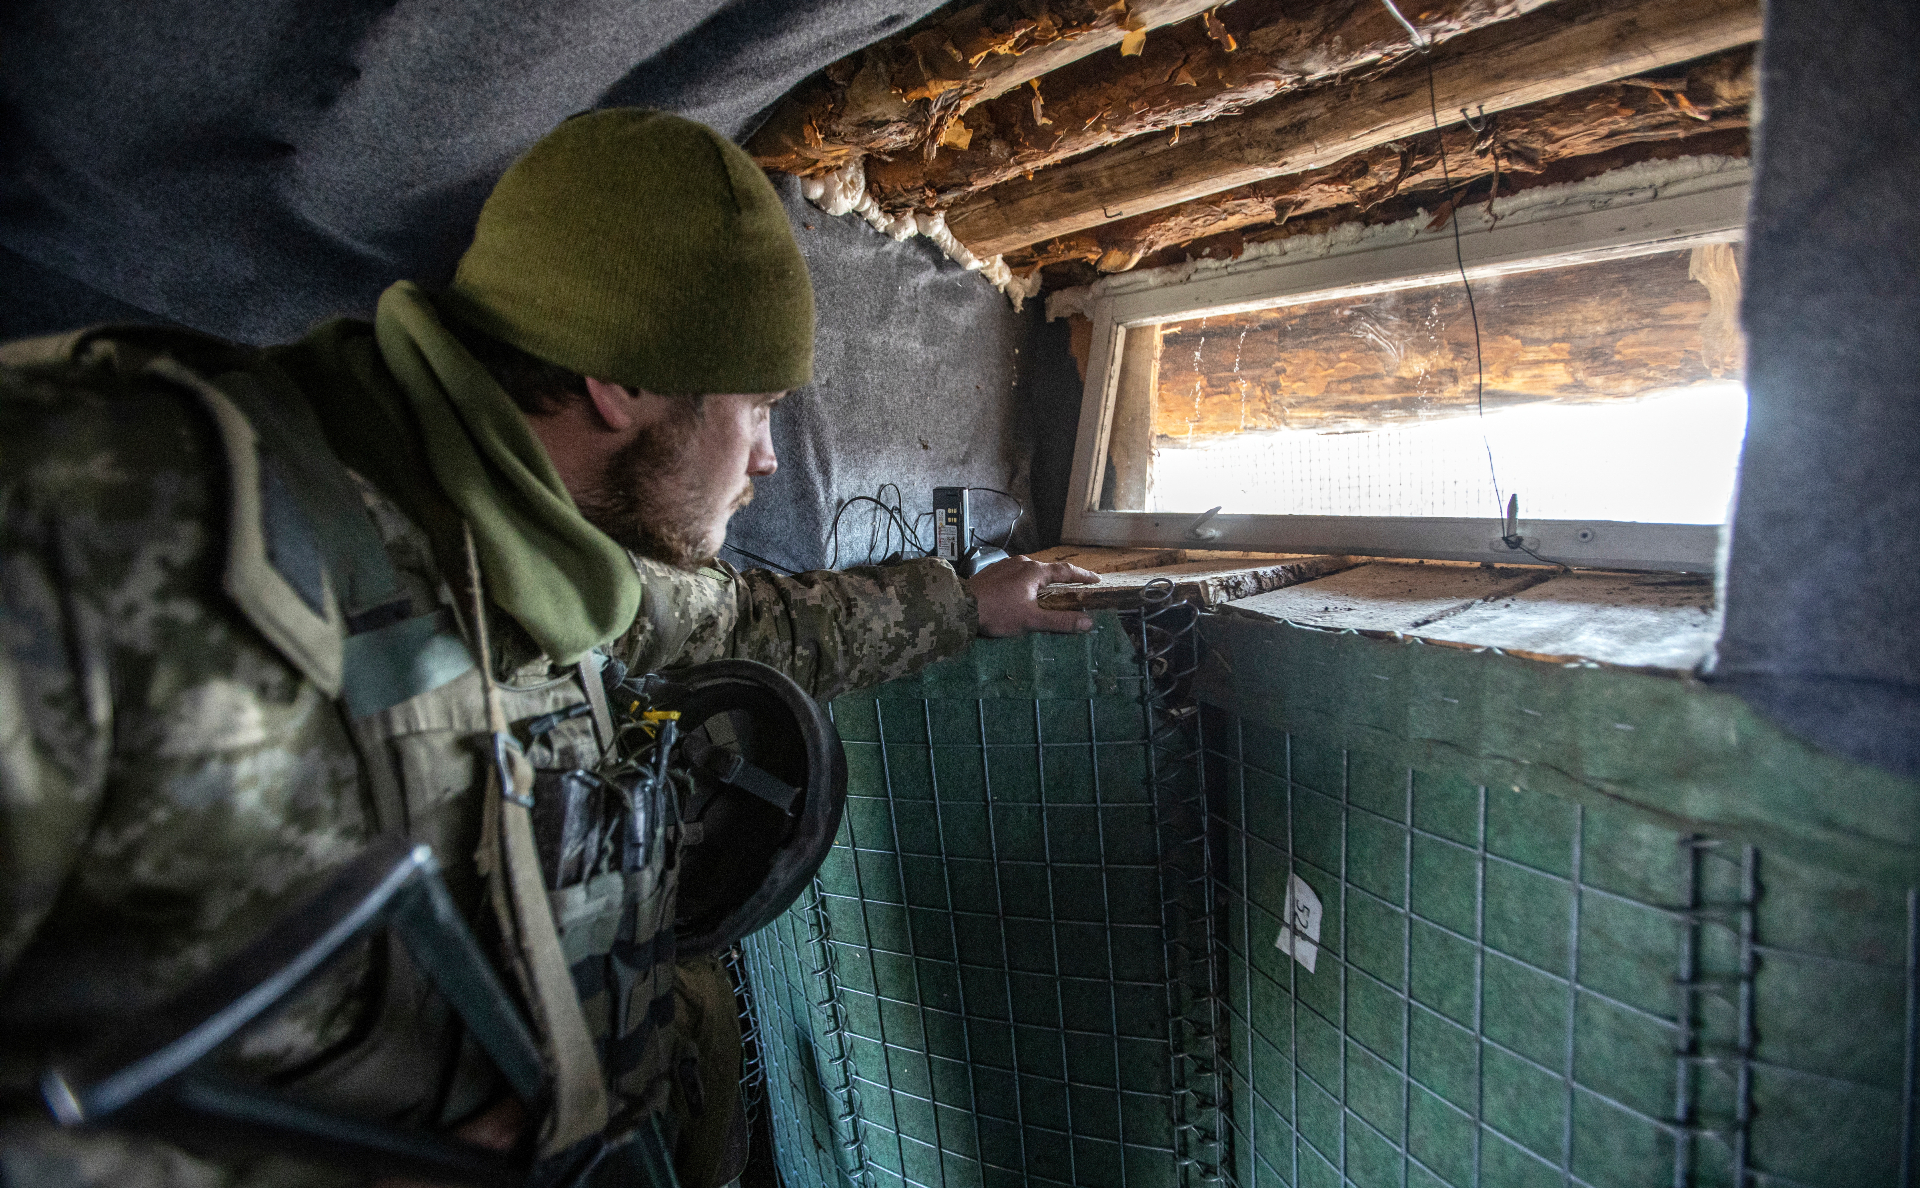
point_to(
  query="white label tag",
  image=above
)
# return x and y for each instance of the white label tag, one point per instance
(1300, 935)
(946, 541)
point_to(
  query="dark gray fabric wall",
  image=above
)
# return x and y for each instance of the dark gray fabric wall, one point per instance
(1823, 576)
(248, 169)
(916, 367)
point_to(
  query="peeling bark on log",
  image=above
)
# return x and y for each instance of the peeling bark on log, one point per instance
(1564, 47)
(1130, 438)
(1711, 96)
(1185, 75)
(1599, 331)
(1424, 198)
(904, 93)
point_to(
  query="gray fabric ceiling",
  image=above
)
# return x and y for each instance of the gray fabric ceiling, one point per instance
(248, 169)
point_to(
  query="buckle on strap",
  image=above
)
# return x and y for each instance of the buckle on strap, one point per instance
(503, 767)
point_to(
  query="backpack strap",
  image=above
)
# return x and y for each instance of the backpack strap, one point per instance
(304, 563)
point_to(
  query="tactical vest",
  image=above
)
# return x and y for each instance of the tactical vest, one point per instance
(331, 574)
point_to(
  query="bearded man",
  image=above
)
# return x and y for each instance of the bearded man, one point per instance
(237, 640)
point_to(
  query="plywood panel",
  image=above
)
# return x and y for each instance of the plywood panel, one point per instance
(1204, 583)
(1390, 596)
(1629, 619)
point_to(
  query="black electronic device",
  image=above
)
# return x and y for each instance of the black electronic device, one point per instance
(952, 524)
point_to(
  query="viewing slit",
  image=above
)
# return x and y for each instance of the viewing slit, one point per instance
(1613, 392)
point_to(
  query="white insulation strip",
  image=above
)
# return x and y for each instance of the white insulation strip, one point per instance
(844, 192)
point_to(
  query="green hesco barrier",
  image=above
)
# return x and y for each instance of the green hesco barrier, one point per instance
(1574, 926)
(974, 994)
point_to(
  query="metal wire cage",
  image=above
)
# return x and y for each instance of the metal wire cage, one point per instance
(1516, 990)
(974, 991)
(1044, 951)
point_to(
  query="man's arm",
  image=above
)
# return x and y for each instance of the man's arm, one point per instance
(169, 784)
(55, 731)
(835, 630)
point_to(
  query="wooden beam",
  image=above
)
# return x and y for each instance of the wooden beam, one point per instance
(1187, 74)
(1730, 141)
(1203, 583)
(1398, 596)
(1605, 330)
(1712, 96)
(1130, 439)
(1556, 50)
(905, 92)
(1105, 560)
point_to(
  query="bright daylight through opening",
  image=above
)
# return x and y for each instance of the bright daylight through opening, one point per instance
(1612, 391)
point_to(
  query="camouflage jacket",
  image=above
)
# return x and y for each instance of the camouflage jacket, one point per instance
(170, 783)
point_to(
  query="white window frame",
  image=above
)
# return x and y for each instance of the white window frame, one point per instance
(1605, 225)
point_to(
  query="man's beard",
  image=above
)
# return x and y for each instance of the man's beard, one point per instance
(649, 499)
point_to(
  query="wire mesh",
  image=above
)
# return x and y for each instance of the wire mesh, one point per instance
(1043, 952)
(1169, 651)
(800, 1032)
(1512, 989)
(986, 958)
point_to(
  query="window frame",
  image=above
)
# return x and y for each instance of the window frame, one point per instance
(1597, 225)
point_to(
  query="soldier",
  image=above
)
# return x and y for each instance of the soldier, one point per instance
(236, 643)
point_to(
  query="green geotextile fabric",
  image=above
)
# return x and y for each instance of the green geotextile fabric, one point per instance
(1510, 907)
(991, 908)
(1498, 979)
(1672, 748)
(426, 423)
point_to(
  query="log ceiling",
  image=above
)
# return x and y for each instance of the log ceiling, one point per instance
(1082, 135)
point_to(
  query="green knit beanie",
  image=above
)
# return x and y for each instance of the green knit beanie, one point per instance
(642, 248)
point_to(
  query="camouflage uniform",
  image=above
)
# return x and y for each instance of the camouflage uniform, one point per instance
(170, 783)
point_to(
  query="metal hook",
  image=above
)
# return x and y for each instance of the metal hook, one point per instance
(1197, 529)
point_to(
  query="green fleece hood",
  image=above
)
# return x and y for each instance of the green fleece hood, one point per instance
(422, 420)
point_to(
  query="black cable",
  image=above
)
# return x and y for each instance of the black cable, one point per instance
(1019, 513)
(1460, 260)
(1506, 513)
(880, 533)
(774, 565)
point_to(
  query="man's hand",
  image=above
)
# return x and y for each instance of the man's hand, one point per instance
(1007, 594)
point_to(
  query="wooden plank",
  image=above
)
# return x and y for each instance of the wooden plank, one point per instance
(1130, 442)
(1390, 595)
(1103, 560)
(1629, 619)
(1705, 109)
(1553, 51)
(1108, 560)
(893, 97)
(1203, 583)
(1243, 54)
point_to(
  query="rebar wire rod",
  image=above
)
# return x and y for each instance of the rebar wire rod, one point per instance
(1169, 654)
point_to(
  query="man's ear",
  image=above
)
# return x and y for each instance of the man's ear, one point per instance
(614, 405)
